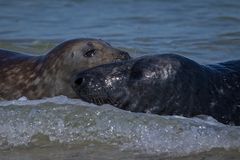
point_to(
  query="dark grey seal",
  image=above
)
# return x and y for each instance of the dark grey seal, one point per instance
(50, 75)
(166, 85)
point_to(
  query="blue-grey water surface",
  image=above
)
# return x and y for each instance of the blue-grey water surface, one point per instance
(207, 31)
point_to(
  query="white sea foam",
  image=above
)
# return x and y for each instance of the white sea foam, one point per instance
(60, 120)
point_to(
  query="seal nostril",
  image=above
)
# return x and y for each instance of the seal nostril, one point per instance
(79, 81)
(125, 55)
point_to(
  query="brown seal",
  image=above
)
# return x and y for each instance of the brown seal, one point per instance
(50, 75)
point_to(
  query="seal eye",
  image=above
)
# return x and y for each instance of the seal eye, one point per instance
(90, 53)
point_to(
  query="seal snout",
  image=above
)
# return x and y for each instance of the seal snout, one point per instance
(83, 81)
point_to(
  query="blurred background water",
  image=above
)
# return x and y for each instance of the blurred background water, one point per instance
(207, 31)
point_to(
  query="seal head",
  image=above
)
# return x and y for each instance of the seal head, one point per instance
(126, 84)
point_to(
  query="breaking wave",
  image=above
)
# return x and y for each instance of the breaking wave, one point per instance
(60, 120)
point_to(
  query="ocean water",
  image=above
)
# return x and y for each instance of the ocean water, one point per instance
(71, 129)
(207, 31)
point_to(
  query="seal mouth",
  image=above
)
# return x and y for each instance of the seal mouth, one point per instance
(97, 99)
(101, 97)
(118, 60)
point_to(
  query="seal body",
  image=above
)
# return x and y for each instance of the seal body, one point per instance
(50, 75)
(165, 84)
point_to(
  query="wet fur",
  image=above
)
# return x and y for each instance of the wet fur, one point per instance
(166, 84)
(50, 75)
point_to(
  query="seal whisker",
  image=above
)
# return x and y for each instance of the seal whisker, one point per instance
(92, 99)
(96, 100)
(99, 101)
(108, 96)
(116, 101)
